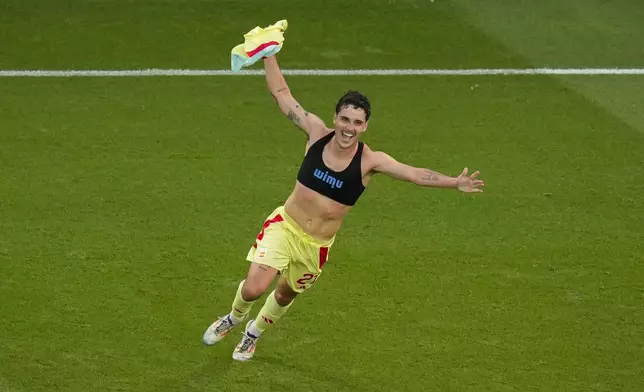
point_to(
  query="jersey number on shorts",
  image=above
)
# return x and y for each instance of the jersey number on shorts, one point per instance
(305, 279)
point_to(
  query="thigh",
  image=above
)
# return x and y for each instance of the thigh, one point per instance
(259, 278)
(306, 266)
(271, 245)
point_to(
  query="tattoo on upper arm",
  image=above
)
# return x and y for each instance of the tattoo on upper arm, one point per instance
(305, 112)
(430, 176)
(293, 117)
(263, 267)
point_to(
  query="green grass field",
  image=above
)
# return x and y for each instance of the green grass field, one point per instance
(127, 205)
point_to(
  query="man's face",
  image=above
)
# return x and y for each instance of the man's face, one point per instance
(349, 124)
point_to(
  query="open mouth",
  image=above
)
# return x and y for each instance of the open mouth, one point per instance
(348, 135)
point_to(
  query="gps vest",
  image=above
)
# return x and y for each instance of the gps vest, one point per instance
(345, 187)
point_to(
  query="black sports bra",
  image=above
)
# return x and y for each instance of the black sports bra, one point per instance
(345, 187)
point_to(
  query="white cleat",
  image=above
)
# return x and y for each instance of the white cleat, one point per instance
(246, 348)
(217, 330)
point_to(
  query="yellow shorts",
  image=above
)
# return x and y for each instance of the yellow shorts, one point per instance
(283, 245)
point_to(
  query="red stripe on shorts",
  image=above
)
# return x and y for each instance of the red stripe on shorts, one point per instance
(276, 219)
(324, 256)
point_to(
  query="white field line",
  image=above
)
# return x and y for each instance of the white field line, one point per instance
(323, 72)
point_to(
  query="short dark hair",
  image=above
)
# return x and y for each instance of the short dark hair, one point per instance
(355, 99)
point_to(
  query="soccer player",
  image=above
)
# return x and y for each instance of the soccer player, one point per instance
(296, 237)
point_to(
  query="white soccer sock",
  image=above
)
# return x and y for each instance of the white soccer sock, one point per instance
(234, 319)
(254, 331)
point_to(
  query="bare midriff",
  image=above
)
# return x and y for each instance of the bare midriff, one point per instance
(319, 216)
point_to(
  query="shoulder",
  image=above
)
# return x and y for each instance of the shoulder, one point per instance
(370, 154)
(371, 158)
(318, 135)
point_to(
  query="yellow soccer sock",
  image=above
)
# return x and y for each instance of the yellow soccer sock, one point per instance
(240, 307)
(269, 314)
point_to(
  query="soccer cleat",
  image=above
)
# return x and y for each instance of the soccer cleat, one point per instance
(246, 348)
(218, 330)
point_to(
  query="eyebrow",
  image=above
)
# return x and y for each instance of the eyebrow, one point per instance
(347, 118)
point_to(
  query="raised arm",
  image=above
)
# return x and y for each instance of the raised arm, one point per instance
(308, 122)
(383, 163)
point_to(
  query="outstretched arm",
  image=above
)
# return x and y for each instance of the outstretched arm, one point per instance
(308, 122)
(383, 163)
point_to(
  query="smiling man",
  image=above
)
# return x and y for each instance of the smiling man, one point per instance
(295, 239)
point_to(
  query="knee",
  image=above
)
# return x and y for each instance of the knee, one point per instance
(250, 292)
(283, 299)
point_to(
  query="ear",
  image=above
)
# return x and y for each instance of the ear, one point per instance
(366, 125)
